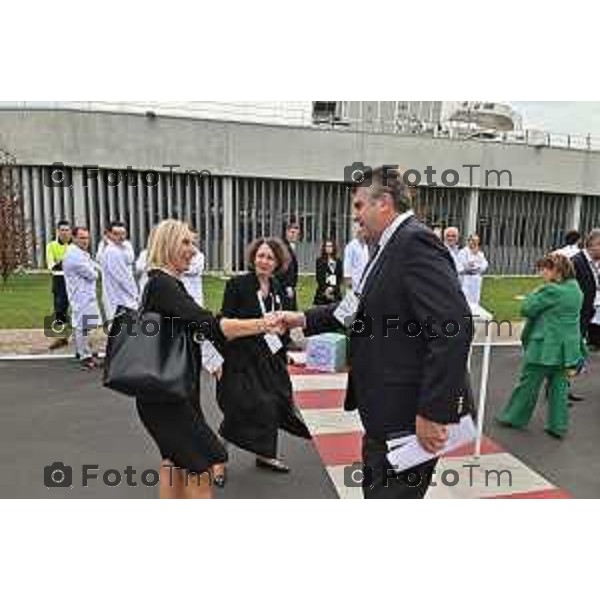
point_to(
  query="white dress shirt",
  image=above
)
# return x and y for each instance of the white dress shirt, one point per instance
(386, 236)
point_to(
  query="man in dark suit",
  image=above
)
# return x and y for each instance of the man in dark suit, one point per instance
(587, 271)
(409, 341)
(289, 278)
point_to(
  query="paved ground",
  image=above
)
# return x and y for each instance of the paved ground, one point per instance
(50, 411)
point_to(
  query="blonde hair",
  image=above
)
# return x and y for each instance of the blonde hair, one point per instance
(165, 241)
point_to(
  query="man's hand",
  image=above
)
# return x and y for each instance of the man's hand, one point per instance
(432, 436)
(293, 320)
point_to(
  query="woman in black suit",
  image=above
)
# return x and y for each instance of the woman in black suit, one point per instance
(255, 390)
(329, 275)
(192, 454)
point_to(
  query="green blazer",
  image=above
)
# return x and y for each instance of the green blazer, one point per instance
(552, 333)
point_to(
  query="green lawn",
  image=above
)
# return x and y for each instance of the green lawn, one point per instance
(26, 299)
(499, 295)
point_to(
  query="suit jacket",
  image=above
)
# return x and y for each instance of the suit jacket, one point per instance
(587, 283)
(322, 272)
(552, 334)
(395, 373)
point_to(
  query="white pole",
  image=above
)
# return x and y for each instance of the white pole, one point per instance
(483, 385)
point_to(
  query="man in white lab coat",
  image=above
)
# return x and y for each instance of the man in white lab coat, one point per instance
(473, 265)
(356, 257)
(81, 274)
(119, 288)
(452, 242)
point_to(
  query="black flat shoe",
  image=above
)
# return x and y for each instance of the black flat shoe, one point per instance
(574, 398)
(272, 464)
(556, 436)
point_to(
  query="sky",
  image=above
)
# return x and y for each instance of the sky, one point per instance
(578, 118)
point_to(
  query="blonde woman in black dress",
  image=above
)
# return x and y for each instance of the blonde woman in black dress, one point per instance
(192, 453)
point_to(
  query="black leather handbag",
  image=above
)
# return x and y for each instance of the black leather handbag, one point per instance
(153, 357)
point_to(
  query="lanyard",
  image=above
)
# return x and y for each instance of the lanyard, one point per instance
(275, 301)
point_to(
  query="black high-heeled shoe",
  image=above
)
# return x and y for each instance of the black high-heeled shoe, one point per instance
(272, 464)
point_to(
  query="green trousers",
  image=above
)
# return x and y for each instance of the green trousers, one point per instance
(522, 403)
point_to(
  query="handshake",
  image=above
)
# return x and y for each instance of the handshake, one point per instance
(282, 321)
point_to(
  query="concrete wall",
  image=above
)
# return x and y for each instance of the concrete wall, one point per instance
(254, 150)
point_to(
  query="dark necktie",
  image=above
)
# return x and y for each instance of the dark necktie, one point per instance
(373, 252)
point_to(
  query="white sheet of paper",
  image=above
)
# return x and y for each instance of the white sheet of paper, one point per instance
(345, 312)
(274, 342)
(212, 360)
(596, 318)
(406, 453)
(331, 280)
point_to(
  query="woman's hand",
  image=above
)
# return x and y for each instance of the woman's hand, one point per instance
(274, 323)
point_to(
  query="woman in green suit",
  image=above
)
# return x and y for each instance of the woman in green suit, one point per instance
(552, 346)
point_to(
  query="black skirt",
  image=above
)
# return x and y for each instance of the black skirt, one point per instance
(256, 400)
(181, 434)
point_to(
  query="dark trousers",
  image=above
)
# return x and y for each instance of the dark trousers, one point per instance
(593, 335)
(381, 483)
(61, 300)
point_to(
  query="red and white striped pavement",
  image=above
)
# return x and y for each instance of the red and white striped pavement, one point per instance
(337, 436)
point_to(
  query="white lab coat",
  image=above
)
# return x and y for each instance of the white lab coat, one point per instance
(473, 266)
(356, 258)
(119, 287)
(102, 246)
(568, 251)
(141, 270)
(192, 278)
(81, 273)
(455, 254)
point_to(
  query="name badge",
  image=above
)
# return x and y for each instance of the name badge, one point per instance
(347, 308)
(273, 342)
(212, 360)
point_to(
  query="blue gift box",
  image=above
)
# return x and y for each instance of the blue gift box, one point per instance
(326, 352)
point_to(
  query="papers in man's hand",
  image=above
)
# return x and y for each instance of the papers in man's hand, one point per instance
(406, 453)
(212, 361)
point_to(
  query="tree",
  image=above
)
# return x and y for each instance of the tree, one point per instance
(16, 241)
